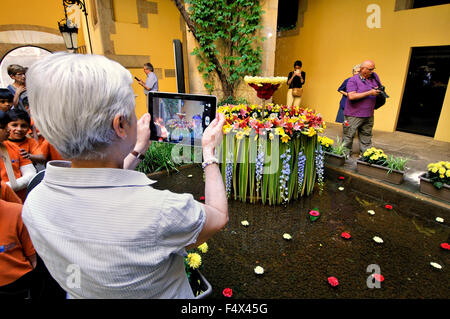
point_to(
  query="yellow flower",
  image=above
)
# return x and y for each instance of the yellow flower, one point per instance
(271, 136)
(227, 128)
(239, 135)
(279, 131)
(434, 169)
(203, 248)
(441, 176)
(442, 171)
(447, 173)
(285, 138)
(194, 260)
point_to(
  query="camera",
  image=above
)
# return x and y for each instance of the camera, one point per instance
(382, 91)
(180, 118)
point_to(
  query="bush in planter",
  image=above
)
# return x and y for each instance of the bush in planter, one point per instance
(378, 157)
(329, 146)
(439, 173)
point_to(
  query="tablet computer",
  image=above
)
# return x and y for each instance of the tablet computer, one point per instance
(179, 117)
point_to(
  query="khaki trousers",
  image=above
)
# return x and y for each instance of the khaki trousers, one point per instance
(291, 100)
(362, 125)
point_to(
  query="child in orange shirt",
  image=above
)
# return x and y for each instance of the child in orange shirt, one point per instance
(48, 151)
(15, 170)
(6, 100)
(17, 254)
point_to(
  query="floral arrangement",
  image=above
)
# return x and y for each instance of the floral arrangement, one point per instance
(378, 157)
(270, 153)
(439, 173)
(192, 262)
(265, 86)
(374, 156)
(327, 143)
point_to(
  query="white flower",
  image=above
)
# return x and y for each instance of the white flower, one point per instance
(259, 270)
(371, 212)
(190, 175)
(378, 240)
(341, 188)
(245, 223)
(287, 236)
(439, 219)
(435, 265)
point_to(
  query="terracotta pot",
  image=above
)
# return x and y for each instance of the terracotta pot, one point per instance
(379, 172)
(427, 187)
(333, 159)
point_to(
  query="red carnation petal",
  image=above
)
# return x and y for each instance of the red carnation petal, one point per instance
(388, 206)
(202, 197)
(346, 235)
(333, 281)
(227, 292)
(341, 177)
(378, 277)
(445, 246)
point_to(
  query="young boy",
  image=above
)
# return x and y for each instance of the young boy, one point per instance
(15, 170)
(6, 100)
(17, 254)
(19, 126)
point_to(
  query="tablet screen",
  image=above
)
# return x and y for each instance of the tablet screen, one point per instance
(180, 118)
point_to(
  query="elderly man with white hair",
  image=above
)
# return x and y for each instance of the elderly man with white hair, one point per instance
(101, 230)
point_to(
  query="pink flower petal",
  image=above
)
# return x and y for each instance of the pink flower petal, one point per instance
(333, 281)
(445, 246)
(341, 177)
(388, 206)
(378, 277)
(202, 197)
(227, 292)
(346, 235)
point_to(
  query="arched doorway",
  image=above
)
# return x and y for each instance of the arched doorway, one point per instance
(25, 56)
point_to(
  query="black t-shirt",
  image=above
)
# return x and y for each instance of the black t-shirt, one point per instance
(296, 82)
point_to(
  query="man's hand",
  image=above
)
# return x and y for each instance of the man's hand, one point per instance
(143, 134)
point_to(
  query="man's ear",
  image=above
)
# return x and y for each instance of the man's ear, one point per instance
(119, 125)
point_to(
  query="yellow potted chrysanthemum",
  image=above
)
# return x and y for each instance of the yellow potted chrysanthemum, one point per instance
(193, 263)
(375, 163)
(436, 181)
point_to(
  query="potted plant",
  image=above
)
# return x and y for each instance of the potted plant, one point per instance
(436, 181)
(375, 163)
(193, 263)
(335, 154)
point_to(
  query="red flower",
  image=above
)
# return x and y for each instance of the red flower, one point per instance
(378, 277)
(333, 281)
(202, 197)
(445, 246)
(341, 177)
(346, 235)
(228, 292)
(388, 206)
(314, 213)
(346, 123)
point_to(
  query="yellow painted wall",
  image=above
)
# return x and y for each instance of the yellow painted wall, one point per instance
(155, 41)
(334, 37)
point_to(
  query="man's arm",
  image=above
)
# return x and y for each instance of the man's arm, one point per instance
(357, 96)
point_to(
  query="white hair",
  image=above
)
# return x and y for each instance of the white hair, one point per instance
(74, 98)
(358, 66)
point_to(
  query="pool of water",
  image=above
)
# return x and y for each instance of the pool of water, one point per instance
(299, 268)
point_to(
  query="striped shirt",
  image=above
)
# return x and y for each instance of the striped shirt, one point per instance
(105, 233)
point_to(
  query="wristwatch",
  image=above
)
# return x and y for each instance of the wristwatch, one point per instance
(138, 155)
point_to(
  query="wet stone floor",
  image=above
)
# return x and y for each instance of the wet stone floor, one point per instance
(299, 268)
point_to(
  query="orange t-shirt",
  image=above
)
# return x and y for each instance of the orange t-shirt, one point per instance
(49, 151)
(28, 144)
(8, 195)
(15, 244)
(17, 161)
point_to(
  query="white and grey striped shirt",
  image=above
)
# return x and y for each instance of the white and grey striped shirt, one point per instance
(105, 233)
